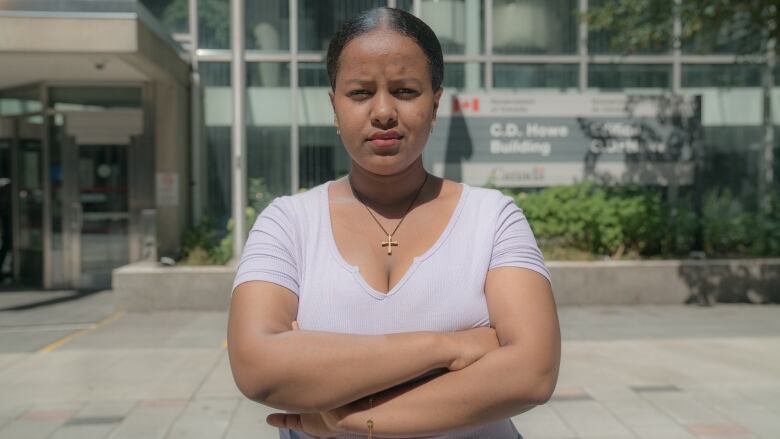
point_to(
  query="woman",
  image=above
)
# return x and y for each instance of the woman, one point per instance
(392, 303)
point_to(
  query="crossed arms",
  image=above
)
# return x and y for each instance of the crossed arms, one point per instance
(492, 375)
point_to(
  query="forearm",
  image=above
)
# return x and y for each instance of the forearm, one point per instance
(492, 388)
(315, 371)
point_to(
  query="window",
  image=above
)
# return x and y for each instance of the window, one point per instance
(534, 27)
(214, 24)
(559, 76)
(619, 76)
(269, 117)
(721, 75)
(457, 23)
(267, 25)
(318, 20)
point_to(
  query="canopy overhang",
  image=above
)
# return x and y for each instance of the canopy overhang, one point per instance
(38, 46)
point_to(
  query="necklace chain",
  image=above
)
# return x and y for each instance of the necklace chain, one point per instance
(357, 195)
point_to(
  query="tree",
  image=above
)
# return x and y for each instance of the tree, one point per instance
(750, 25)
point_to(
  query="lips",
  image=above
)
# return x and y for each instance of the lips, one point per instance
(385, 138)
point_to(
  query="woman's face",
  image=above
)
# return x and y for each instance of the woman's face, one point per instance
(383, 101)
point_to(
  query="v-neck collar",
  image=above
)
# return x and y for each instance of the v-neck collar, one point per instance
(355, 270)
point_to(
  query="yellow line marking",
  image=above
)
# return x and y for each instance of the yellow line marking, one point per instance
(52, 346)
(224, 344)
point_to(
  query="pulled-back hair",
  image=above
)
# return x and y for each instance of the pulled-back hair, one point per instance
(396, 20)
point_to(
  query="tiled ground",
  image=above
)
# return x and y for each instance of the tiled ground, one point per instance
(660, 372)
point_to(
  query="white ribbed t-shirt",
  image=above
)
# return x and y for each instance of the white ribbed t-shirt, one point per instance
(291, 244)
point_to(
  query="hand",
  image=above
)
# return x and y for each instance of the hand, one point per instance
(471, 345)
(322, 424)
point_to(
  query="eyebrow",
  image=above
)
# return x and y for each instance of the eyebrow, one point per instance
(367, 81)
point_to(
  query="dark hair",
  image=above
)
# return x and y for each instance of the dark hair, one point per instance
(396, 20)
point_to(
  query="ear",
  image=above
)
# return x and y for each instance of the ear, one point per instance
(436, 97)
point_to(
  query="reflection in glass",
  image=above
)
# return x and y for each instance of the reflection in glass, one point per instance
(173, 14)
(534, 26)
(312, 74)
(57, 138)
(598, 42)
(6, 230)
(464, 76)
(267, 74)
(102, 193)
(406, 5)
(322, 156)
(29, 196)
(319, 19)
(267, 25)
(619, 76)
(217, 106)
(22, 100)
(269, 117)
(721, 41)
(560, 76)
(214, 24)
(457, 23)
(721, 75)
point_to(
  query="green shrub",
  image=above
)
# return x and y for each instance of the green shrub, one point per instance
(594, 219)
(612, 221)
(727, 227)
(206, 244)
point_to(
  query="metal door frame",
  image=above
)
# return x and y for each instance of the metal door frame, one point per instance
(15, 253)
(72, 209)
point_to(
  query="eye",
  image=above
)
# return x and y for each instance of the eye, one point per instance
(358, 93)
(406, 92)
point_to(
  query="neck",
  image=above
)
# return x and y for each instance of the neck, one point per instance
(388, 191)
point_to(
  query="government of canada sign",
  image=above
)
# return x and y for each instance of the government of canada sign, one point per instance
(537, 140)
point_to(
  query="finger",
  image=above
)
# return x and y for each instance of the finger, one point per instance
(295, 326)
(284, 420)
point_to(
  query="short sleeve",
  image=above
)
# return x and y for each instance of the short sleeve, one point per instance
(514, 244)
(270, 250)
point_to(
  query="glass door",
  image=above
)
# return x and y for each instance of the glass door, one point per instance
(6, 190)
(102, 210)
(28, 254)
(94, 193)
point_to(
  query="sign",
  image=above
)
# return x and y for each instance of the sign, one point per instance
(539, 140)
(167, 189)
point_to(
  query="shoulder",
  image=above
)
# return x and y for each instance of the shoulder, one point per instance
(489, 201)
(296, 207)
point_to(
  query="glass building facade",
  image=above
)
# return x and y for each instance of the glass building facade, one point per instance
(490, 46)
(510, 48)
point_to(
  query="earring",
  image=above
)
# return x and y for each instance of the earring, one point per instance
(338, 131)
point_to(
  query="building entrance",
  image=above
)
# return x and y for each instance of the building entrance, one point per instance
(66, 189)
(95, 192)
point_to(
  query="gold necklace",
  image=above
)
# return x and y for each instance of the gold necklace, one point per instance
(389, 243)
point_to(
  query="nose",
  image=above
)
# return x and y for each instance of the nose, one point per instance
(384, 113)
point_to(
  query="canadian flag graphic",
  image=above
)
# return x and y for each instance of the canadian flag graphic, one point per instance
(459, 105)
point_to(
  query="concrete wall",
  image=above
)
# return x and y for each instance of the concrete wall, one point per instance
(666, 282)
(148, 287)
(172, 161)
(145, 286)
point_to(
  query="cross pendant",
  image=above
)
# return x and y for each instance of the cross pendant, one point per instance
(389, 244)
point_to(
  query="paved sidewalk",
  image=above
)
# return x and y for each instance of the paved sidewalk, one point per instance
(658, 372)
